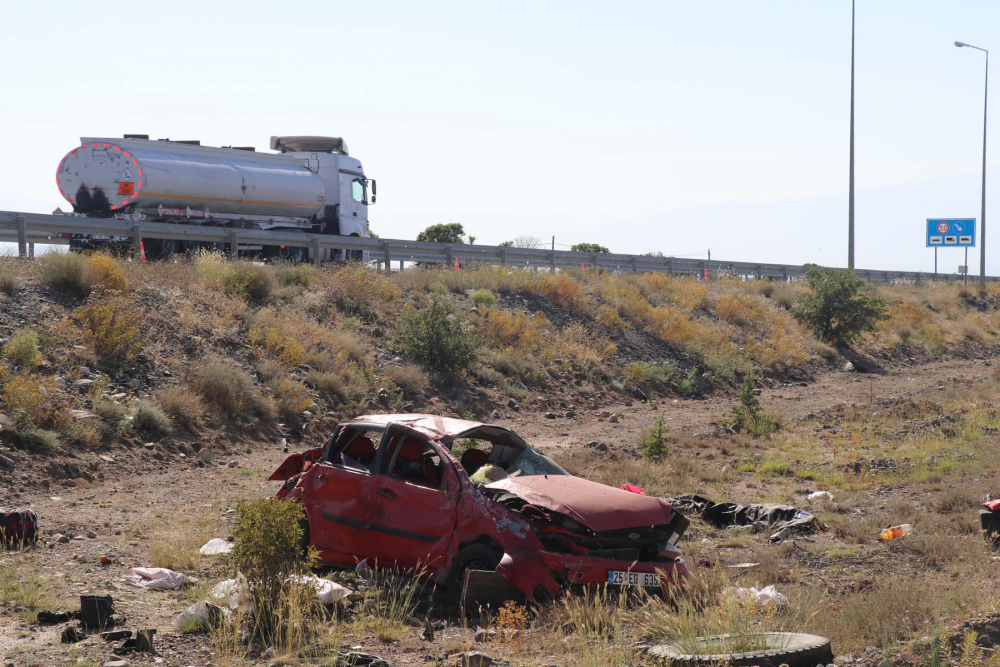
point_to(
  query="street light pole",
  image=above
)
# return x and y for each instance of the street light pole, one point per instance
(850, 196)
(982, 224)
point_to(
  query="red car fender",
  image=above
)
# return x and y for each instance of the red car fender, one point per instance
(522, 568)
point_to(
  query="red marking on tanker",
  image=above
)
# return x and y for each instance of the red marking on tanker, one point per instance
(140, 174)
(136, 162)
(127, 189)
(140, 183)
(118, 148)
(235, 201)
(106, 145)
(127, 154)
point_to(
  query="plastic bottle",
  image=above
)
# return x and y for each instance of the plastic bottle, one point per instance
(893, 532)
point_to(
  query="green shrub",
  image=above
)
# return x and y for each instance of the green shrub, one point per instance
(300, 275)
(9, 282)
(113, 414)
(66, 273)
(837, 310)
(229, 390)
(269, 540)
(655, 441)
(248, 281)
(748, 415)
(483, 298)
(645, 374)
(22, 349)
(151, 419)
(435, 337)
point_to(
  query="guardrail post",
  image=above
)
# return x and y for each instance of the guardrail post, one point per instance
(552, 261)
(449, 260)
(315, 250)
(137, 242)
(503, 256)
(703, 269)
(670, 266)
(31, 250)
(22, 237)
(234, 244)
(387, 255)
(635, 265)
(784, 274)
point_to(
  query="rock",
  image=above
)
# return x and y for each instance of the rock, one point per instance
(475, 659)
(613, 418)
(496, 414)
(72, 471)
(570, 414)
(313, 408)
(205, 456)
(605, 414)
(550, 415)
(408, 407)
(116, 663)
(72, 635)
(150, 445)
(135, 383)
(82, 414)
(485, 635)
(592, 444)
(61, 381)
(92, 535)
(848, 367)
(602, 447)
(83, 384)
(640, 394)
(85, 372)
(203, 615)
(512, 404)
(6, 462)
(60, 538)
(233, 463)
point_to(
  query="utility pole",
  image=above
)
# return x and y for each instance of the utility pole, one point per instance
(982, 219)
(850, 195)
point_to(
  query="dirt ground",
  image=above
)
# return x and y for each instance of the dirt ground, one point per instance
(151, 494)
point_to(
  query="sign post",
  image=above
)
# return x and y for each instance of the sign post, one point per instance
(951, 232)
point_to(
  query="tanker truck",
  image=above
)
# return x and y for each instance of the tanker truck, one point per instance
(310, 184)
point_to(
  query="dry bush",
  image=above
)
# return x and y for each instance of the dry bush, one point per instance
(504, 329)
(8, 282)
(229, 390)
(105, 274)
(356, 290)
(66, 273)
(248, 281)
(151, 419)
(577, 343)
(273, 343)
(297, 275)
(22, 349)
(184, 407)
(408, 377)
(113, 415)
(26, 398)
(175, 544)
(564, 290)
(84, 432)
(291, 397)
(111, 325)
(609, 318)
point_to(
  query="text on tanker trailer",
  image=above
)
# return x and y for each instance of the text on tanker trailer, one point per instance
(311, 184)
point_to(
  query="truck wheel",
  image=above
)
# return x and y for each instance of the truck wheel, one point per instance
(784, 648)
(472, 557)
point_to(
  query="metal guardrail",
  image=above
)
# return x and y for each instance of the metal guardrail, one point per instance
(27, 228)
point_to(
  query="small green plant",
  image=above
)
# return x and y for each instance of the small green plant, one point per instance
(248, 281)
(837, 310)
(435, 337)
(111, 325)
(113, 415)
(300, 275)
(483, 298)
(646, 374)
(66, 273)
(688, 383)
(149, 418)
(655, 441)
(748, 414)
(22, 349)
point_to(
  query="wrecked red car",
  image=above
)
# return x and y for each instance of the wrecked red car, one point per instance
(398, 490)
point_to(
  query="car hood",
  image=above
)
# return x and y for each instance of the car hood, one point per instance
(597, 506)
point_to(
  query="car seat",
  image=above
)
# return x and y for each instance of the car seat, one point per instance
(362, 450)
(473, 460)
(412, 466)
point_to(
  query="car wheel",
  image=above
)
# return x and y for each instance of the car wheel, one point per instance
(783, 648)
(472, 557)
(304, 537)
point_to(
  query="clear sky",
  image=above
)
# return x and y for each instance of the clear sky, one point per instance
(671, 126)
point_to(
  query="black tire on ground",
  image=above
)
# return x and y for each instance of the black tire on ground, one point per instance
(787, 648)
(304, 538)
(472, 557)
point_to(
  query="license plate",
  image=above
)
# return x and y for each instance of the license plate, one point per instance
(623, 578)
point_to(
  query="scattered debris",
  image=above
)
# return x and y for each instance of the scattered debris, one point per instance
(158, 578)
(71, 635)
(202, 615)
(765, 597)
(18, 527)
(632, 488)
(820, 496)
(96, 611)
(53, 617)
(115, 635)
(216, 546)
(783, 519)
(895, 532)
(328, 592)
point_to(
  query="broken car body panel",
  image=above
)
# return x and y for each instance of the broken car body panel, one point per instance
(393, 489)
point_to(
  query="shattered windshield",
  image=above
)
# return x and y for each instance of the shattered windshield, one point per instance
(531, 462)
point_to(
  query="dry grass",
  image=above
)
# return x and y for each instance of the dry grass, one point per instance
(229, 390)
(23, 588)
(409, 377)
(174, 544)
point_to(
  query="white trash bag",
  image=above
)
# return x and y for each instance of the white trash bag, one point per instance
(216, 546)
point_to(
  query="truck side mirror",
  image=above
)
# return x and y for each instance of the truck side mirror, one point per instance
(373, 190)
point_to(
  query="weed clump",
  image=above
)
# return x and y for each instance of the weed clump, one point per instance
(22, 349)
(483, 298)
(408, 377)
(66, 273)
(8, 282)
(748, 414)
(114, 415)
(229, 390)
(111, 325)
(291, 397)
(356, 290)
(105, 274)
(184, 407)
(435, 337)
(151, 419)
(248, 281)
(655, 442)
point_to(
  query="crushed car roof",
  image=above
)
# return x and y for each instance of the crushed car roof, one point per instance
(432, 425)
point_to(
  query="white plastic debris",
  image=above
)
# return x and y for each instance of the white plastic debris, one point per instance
(820, 497)
(329, 592)
(158, 578)
(765, 597)
(216, 546)
(202, 615)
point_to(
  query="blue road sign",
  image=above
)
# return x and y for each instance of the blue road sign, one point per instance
(951, 232)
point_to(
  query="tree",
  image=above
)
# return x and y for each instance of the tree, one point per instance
(837, 310)
(589, 247)
(443, 233)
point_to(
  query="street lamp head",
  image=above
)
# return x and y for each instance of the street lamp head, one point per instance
(960, 44)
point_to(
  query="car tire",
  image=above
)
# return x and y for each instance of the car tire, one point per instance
(785, 648)
(473, 557)
(304, 538)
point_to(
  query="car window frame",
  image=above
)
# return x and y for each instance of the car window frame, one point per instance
(328, 447)
(382, 467)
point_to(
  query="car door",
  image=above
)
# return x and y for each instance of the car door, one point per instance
(412, 515)
(336, 500)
